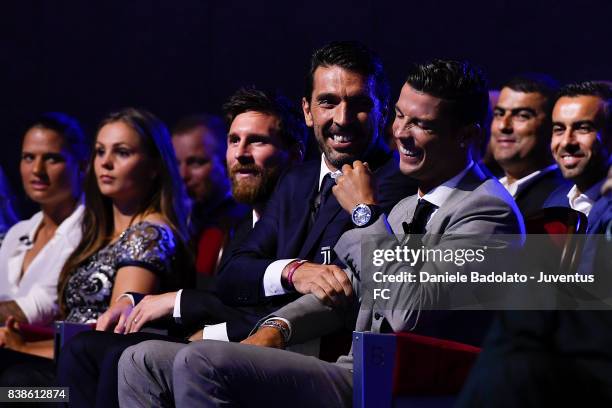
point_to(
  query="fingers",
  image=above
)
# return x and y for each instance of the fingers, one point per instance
(11, 323)
(344, 281)
(102, 322)
(120, 327)
(138, 320)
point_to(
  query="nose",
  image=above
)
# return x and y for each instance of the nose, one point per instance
(567, 138)
(504, 123)
(39, 166)
(401, 129)
(342, 115)
(242, 152)
(106, 161)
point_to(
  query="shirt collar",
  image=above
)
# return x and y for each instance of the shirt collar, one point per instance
(592, 193)
(522, 183)
(325, 170)
(440, 194)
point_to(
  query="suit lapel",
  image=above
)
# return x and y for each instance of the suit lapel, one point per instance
(326, 214)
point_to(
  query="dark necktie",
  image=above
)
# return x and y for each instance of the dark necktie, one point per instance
(422, 211)
(321, 198)
(417, 226)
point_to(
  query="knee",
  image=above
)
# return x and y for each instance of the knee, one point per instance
(131, 359)
(205, 358)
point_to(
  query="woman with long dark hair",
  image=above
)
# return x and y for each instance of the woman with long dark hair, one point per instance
(53, 158)
(133, 233)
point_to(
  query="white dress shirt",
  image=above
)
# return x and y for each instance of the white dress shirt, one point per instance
(522, 183)
(583, 202)
(272, 277)
(36, 291)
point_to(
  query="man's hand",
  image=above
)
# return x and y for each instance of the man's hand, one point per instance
(115, 316)
(355, 186)
(10, 337)
(151, 307)
(328, 283)
(265, 337)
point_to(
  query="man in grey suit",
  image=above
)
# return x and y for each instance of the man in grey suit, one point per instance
(439, 115)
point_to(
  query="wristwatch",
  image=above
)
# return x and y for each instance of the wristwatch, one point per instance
(364, 214)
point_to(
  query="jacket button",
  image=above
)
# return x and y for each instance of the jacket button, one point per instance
(377, 316)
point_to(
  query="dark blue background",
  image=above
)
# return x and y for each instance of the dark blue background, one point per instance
(179, 57)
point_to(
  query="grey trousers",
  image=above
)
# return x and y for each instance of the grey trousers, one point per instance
(213, 373)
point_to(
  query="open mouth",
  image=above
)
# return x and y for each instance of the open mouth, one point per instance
(571, 160)
(410, 153)
(341, 141)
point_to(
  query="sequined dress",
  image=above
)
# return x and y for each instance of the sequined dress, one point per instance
(88, 291)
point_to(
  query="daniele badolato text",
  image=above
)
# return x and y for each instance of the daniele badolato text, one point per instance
(394, 266)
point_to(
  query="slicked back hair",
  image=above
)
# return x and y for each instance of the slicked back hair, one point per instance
(461, 84)
(69, 129)
(352, 56)
(292, 129)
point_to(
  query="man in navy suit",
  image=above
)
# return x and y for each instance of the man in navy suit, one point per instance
(266, 134)
(520, 140)
(581, 143)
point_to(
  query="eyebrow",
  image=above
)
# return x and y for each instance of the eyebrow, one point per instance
(516, 110)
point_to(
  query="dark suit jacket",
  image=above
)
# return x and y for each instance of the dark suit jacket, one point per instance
(558, 198)
(282, 233)
(533, 197)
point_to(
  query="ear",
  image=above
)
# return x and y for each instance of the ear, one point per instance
(307, 112)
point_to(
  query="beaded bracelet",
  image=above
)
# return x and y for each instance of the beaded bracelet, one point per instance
(284, 331)
(292, 270)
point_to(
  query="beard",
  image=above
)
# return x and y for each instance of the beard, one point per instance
(255, 189)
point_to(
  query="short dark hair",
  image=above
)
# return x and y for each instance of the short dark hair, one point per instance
(69, 129)
(532, 82)
(599, 89)
(459, 83)
(352, 56)
(214, 124)
(292, 129)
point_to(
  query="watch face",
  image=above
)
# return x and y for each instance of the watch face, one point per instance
(361, 215)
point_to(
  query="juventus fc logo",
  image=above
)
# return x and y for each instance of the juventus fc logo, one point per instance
(326, 252)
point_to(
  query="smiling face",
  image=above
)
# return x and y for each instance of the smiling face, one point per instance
(519, 132)
(50, 174)
(255, 156)
(124, 170)
(580, 141)
(430, 148)
(344, 113)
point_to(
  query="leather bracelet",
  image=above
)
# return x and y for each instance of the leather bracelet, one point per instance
(291, 271)
(280, 327)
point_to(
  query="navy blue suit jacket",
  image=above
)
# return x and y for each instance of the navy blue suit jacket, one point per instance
(282, 232)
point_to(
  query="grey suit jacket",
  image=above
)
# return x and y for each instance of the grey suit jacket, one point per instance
(477, 206)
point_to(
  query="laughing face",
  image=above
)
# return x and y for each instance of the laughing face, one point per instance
(580, 143)
(430, 148)
(344, 113)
